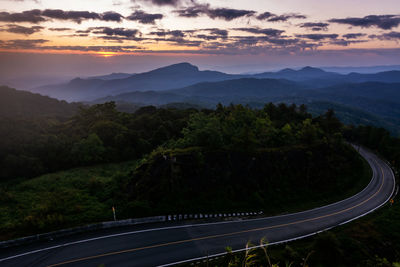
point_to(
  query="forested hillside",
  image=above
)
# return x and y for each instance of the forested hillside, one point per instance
(96, 134)
(236, 157)
(274, 159)
(14, 104)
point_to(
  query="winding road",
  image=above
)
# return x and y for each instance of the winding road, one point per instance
(165, 244)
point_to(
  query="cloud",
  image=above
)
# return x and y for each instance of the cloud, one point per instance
(205, 34)
(34, 44)
(315, 26)
(165, 2)
(392, 35)
(318, 37)
(160, 2)
(286, 17)
(163, 33)
(22, 43)
(257, 45)
(227, 14)
(111, 16)
(116, 31)
(32, 16)
(284, 41)
(76, 16)
(86, 31)
(144, 17)
(207, 37)
(12, 28)
(59, 29)
(265, 15)
(193, 11)
(343, 42)
(385, 22)
(184, 42)
(37, 16)
(387, 36)
(268, 16)
(274, 41)
(218, 32)
(268, 31)
(231, 45)
(353, 35)
(94, 48)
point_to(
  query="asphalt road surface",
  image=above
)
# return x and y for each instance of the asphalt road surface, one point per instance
(168, 243)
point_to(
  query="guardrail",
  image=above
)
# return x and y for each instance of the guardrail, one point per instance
(179, 217)
(113, 224)
(81, 229)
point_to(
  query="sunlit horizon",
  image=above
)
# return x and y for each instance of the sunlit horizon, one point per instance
(78, 38)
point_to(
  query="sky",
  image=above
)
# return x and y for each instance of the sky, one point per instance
(48, 38)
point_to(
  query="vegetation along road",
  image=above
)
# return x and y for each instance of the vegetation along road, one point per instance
(168, 244)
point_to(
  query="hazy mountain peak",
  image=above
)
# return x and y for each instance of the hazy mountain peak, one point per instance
(311, 69)
(112, 76)
(75, 80)
(287, 70)
(180, 67)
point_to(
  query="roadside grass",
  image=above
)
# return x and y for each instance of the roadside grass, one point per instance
(62, 199)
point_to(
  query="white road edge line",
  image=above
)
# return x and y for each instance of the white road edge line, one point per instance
(292, 239)
(193, 225)
(128, 233)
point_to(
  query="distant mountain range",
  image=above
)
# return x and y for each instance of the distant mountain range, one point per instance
(174, 76)
(184, 74)
(361, 98)
(366, 69)
(378, 98)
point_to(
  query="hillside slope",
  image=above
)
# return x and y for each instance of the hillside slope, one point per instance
(14, 103)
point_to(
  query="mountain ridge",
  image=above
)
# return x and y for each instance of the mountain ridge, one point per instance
(185, 74)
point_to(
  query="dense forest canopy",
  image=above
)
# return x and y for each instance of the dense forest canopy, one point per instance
(96, 134)
(233, 156)
(34, 144)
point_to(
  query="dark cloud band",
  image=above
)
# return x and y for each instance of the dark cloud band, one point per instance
(37, 16)
(385, 22)
(144, 17)
(315, 26)
(318, 37)
(268, 32)
(17, 29)
(268, 16)
(227, 14)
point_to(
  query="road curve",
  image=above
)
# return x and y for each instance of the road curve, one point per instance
(168, 244)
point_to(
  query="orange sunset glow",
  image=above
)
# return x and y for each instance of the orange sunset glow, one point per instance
(264, 31)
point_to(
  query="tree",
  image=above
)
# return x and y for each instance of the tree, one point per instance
(202, 130)
(308, 133)
(89, 150)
